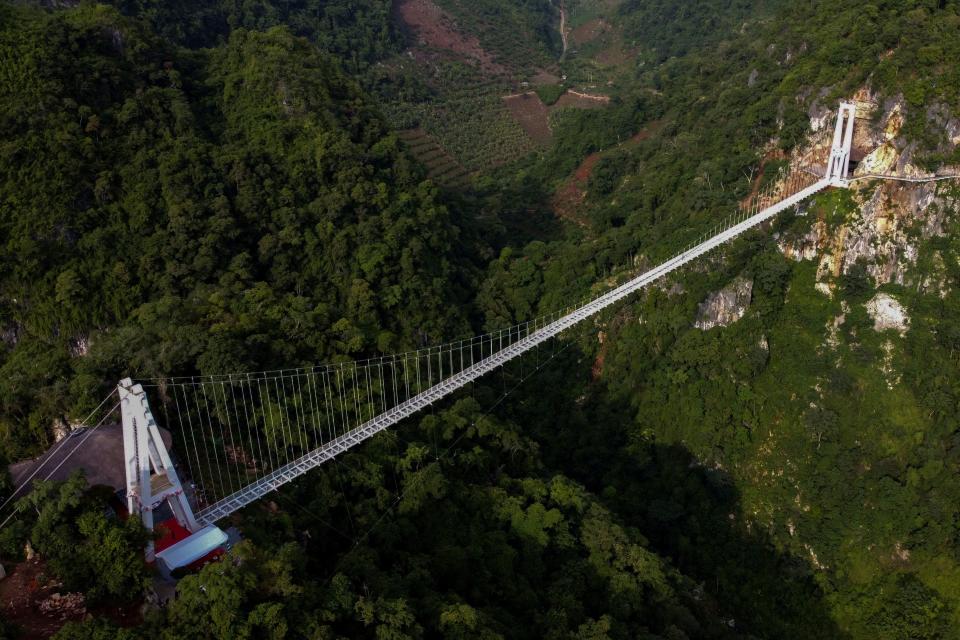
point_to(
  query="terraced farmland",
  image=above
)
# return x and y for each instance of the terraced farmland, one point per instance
(456, 120)
(441, 166)
(475, 128)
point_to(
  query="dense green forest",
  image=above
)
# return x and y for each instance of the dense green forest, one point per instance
(208, 187)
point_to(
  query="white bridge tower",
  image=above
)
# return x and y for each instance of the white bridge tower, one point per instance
(838, 167)
(151, 477)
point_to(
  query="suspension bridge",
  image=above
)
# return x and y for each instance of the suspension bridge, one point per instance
(242, 436)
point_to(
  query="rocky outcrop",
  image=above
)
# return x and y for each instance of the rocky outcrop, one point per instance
(820, 116)
(723, 308)
(807, 246)
(79, 346)
(833, 326)
(888, 313)
(885, 156)
(892, 220)
(886, 233)
(67, 606)
(60, 429)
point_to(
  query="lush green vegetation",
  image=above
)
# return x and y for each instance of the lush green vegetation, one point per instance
(671, 29)
(850, 471)
(550, 93)
(85, 548)
(241, 208)
(358, 32)
(525, 555)
(176, 208)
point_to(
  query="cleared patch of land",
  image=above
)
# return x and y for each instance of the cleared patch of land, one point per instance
(567, 199)
(570, 195)
(477, 67)
(434, 28)
(589, 31)
(530, 112)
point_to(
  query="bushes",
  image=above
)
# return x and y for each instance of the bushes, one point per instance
(88, 550)
(550, 93)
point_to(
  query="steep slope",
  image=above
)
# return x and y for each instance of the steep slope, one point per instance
(242, 207)
(786, 469)
(168, 211)
(828, 408)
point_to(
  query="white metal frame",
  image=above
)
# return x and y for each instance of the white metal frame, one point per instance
(838, 170)
(146, 461)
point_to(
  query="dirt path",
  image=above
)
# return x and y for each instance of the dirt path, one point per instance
(589, 96)
(518, 95)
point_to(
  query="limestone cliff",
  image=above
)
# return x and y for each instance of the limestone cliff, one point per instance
(886, 222)
(723, 308)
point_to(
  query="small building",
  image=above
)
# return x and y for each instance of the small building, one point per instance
(178, 549)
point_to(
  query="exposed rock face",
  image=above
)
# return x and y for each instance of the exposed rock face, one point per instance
(723, 308)
(60, 429)
(886, 233)
(943, 118)
(820, 116)
(893, 218)
(885, 155)
(888, 313)
(882, 160)
(887, 366)
(833, 326)
(806, 246)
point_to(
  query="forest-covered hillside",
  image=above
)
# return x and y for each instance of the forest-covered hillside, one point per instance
(211, 187)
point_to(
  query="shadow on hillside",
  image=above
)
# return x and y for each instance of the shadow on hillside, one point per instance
(689, 513)
(693, 515)
(511, 215)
